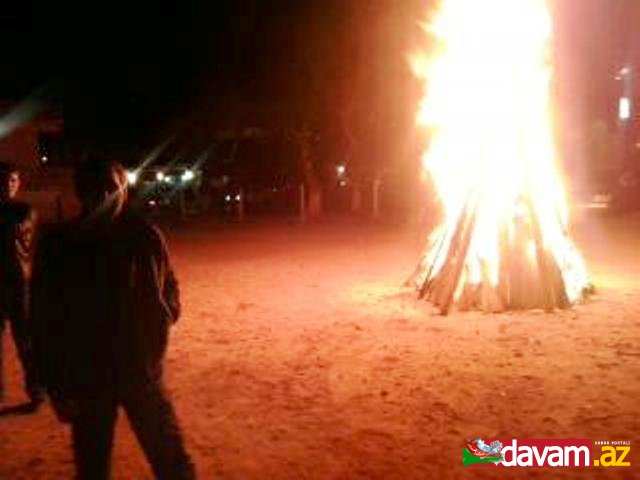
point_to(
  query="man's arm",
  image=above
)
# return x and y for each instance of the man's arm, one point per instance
(159, 280)
(172, 293)
(171, 289)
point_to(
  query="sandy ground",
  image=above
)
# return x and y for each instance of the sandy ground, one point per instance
(300, 356)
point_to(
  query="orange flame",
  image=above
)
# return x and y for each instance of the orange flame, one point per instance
(491, 149)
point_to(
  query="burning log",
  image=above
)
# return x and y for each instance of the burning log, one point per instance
(552, 285)
(442, 289)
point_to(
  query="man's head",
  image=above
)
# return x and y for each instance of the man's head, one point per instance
(9, 181)
(101, 187)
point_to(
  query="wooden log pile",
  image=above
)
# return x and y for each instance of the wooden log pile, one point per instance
(525, 281)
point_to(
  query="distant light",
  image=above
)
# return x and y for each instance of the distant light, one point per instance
(341, 169)
(132, 177)
(624, 108)
(342, 183)
(44, 159)
(168, 179)
(160, 176)
(188, 175)
(625, 70)
(227, 198)
(152, 203)
(238, 198)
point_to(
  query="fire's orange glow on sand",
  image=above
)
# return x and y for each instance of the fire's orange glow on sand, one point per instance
(491, 152)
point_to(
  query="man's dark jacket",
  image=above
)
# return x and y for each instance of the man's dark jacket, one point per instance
(103, 301)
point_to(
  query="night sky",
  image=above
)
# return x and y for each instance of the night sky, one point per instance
(125, 72)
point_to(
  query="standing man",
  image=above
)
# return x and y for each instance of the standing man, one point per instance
(104, 297)
(17, 225)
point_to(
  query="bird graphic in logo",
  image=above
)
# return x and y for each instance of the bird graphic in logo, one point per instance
(477, 451)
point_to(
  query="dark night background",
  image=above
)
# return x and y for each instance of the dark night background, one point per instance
(131, 73)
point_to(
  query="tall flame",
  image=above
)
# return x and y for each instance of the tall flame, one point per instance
(491, 152)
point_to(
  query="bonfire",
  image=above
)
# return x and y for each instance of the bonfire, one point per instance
(503, 241)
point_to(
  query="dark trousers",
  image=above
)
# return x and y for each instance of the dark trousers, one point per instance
(13, 311)
(153, 421)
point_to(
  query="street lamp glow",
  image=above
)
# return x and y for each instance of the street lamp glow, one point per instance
(624, 108)
(160, 176)
(132, 177)
(188, 175)
(341, 169)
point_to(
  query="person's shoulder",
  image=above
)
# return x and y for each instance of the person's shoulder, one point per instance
(147, 232)
(19, 203)
(18, 209)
